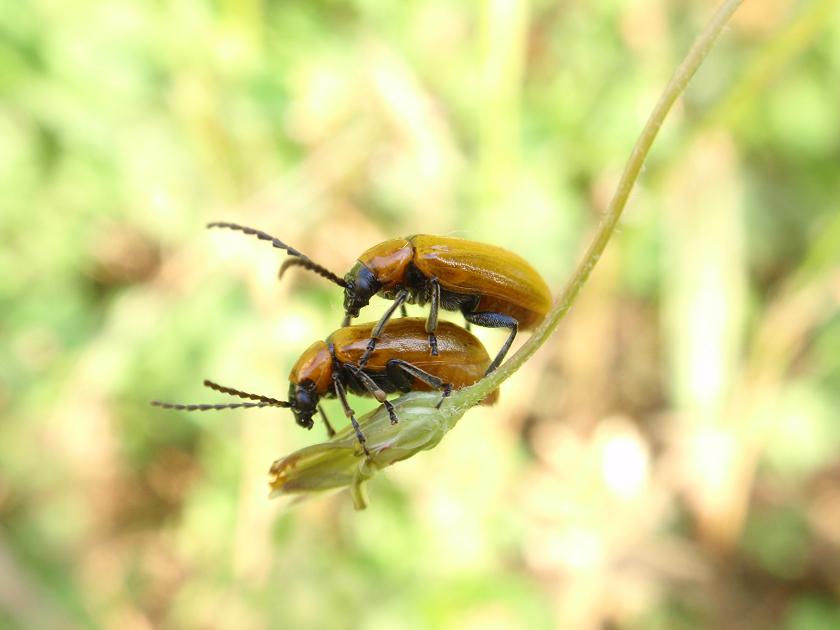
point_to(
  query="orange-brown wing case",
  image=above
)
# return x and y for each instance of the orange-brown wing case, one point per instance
(506, 282)
(461, 360)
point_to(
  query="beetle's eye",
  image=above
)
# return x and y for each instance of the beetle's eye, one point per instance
(306, 399)
(364, 287)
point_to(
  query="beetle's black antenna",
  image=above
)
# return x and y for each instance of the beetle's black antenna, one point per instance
(262, 401)
(266, 400)
(305, 261)
(179, 407)
(291, 262)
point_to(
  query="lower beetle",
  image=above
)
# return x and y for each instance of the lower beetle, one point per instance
(330, 368)
(491, 286)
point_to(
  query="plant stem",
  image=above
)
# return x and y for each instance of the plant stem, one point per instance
(700, 49)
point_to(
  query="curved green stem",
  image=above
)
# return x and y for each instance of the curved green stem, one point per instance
(700, 49)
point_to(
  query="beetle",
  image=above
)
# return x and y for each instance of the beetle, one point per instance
(330, 368)
(490, 286)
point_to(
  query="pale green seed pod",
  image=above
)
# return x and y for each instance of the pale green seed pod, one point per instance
(340, 462)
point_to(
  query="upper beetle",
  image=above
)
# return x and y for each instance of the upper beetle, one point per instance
(330, 368)
(491, 286)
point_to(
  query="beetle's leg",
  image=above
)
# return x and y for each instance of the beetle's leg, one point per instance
(330, 430)
(467, 325)
(495, 320)
(397, 369)
(377, 392)
(431, 321)
(403, 310)
(402, 296)
(348, 411)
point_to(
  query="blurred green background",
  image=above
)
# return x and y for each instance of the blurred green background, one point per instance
(671, 459)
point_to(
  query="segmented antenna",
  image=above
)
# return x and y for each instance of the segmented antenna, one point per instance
(266, 400)
(263, 401)
(289, 262)
(305, 261)
(308, 264)
(179, 407)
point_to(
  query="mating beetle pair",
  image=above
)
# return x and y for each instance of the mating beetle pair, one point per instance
(492, 287)
(330, 368)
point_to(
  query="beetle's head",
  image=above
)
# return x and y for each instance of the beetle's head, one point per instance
(380, 269)
(303, 399)
(310, 379)
(361, 285)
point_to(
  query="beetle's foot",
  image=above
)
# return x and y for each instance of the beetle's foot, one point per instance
(366, 355)
(391, 412)
(362, 440)
(447, 390)
(433, 344)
